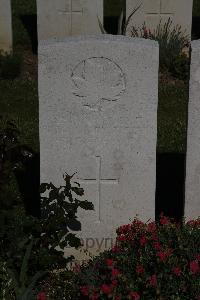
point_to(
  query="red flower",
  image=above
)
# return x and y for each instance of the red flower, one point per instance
(177, 271)
(115, 272)
(143, 241)
(124, 229)
(157, 246)
(131, 236)
(164, 220)
(114, 282)
(94, 296)
(116, 249)
(106, 289)
(137, 223)
(194, 267)
(109, 262)
(121, 238)
(134, 295)
(191, 223)
(145, 32)
(76, 268)
(162, 255)
(139, 269)
(153, 280)
(84, 290)
(41, 296)
(151, 227)
(194, 223)
(117, 298)
(198, 257)
(154, 237)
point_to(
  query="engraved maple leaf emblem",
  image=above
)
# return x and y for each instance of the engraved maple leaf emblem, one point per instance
(98, 80)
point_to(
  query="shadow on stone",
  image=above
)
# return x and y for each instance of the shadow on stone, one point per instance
(170, 179)
(28, 180)
(195, 28)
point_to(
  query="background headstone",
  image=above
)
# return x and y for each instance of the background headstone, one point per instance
(98, 117)
(61, 18)
(192, 193)
(151, 11)
(5, 26)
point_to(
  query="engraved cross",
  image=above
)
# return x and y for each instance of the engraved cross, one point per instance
(72, 10)
(99, 181)
(160, 13)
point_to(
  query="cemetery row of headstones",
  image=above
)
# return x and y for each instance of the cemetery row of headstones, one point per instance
(58, 19)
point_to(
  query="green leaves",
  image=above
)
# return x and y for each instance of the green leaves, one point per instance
(73, 241)
(44, 187)
(29, 244)
(21, 283)
(86, 205)
(24, 267)
(74, 224)
(122, 25)
(78, 191)
(59, 209)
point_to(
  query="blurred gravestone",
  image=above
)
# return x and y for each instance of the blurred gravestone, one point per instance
(5, 26)
(61, 18)
(151, 12)
(192, 198)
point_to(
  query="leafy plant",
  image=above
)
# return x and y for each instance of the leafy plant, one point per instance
(172, 41)
(10, 65)
(59, 210)
(149, 261)
(60, 285)
(21, 284)
(39, 238)
(122, 23)
(12, 155)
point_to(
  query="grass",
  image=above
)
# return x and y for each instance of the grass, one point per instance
(172, 117)
(196, 8)
(19, 101)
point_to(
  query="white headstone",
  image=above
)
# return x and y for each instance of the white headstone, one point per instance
(152, 11)
(61, 18)
(192, 194)
(5, 26)
(98, 117)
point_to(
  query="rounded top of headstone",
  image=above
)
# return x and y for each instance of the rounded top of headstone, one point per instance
(195, 44)
(102, 38)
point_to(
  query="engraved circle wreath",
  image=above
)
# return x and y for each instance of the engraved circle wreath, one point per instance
(98, 81)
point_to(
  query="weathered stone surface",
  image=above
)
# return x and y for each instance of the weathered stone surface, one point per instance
(61, 18)
(151, 12)
(98, 117)
(192, 200)
(5, 26)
